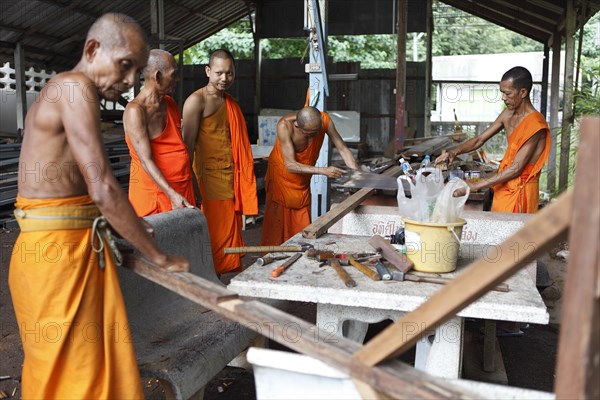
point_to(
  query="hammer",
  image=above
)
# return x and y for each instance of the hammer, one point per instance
(401, 262)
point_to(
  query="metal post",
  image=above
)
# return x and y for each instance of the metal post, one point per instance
(21, 90)
(544, 95)
(180, 66)
(401, 76)
(428, 70)
(318, 90)
(161, 23)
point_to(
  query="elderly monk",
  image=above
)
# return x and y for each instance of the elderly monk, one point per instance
(516, 186)
(63, 277)
(291, 166)
(215, 134)
(161, 174)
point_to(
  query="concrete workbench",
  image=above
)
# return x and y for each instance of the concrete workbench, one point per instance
(347, 311)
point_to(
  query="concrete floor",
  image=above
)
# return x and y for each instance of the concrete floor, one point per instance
(529, 360)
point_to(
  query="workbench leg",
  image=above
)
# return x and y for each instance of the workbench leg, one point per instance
(440, 354)
(489, 346)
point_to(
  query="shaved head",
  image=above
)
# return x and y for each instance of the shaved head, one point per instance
(220, 53)
(112, 30)
(309, 118)
(520, 78)
(158, 60)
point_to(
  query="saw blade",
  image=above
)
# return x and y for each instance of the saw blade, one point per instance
(361, 179)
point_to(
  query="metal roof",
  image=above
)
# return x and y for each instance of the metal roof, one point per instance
(52, 31)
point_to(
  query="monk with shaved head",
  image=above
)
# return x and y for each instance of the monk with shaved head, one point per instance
(63, 276)
(160, 176)
(292, 162)
(215, 134)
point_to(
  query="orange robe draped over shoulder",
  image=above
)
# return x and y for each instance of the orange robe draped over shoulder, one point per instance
(171, 157)
(71, 314)
(521, 194)
(287, 206)
(224, 167)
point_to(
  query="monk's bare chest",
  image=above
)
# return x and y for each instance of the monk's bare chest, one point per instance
(156, 122)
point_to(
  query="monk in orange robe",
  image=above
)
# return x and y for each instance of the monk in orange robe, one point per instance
(516, 186)
(217, 140)
(160, 176)
(291, 166)
(63, 277)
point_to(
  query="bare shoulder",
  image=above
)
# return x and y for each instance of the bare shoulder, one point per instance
(195, 101)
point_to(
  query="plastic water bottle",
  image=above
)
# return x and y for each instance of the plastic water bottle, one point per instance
(426, 163)
(407, 169)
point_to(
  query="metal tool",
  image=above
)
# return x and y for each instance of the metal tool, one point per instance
(269, 259)
(364, 269)
(268, 249)
(503, 287)
(279, 270)
(383, 271)
(360, 179)
(348, 281)
(400, 261)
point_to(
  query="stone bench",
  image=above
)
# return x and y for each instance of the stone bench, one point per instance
(179, 342)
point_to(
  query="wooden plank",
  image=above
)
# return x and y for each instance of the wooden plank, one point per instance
(432, 146)
(321, 224)
(514, 253)
(395, 379)
(578, 367)
(188, 285)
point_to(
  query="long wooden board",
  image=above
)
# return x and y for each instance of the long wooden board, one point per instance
(578, 368)
(320, 226)
(533, 239)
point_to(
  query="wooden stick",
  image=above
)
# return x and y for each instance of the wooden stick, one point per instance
(578, 344)
(364, 269)
(515, 252)
(261, 249)
(396, 379)
(324, 222)
(349, 282)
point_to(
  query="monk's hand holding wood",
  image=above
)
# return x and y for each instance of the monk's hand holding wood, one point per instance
(174, 264)
(446, 158)
(333, 172)
(459, 192)
(178, 201)
(147, 227)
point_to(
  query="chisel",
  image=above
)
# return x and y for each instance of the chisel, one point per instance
(279, 270)
(269, 259)
(364, 269)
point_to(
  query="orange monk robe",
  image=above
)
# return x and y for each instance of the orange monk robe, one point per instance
(521, 194)
(224, 167)
(287, 205)
(171, 157)
(71, 314)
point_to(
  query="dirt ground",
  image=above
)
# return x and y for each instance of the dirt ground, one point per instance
(529, 360)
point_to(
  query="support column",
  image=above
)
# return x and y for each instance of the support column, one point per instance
(567, 119)
(180, 67)
(319, 184)
(157, 21)
(544, 95)
(554, 127)
(428, 71)
(21, 90)
(257, 66)
(401, 76)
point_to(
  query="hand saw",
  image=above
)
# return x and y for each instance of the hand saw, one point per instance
(360, 179)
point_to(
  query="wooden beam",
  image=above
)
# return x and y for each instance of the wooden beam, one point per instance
(321, 224)
(578, 365)
(554, 97)
(567, 116)
(396, 379)
(399, 132)
(537, 235)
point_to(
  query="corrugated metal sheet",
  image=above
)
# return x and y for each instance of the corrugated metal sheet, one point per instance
(52, 32)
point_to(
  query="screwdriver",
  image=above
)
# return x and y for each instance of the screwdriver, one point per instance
(269, 259)
(279, 270)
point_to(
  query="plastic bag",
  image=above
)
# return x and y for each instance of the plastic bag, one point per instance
(447, 207)
(428, 184)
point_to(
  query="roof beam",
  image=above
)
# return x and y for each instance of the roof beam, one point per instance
(517, 14)
(532, 10)
(515, 26)
(72, 6)
(194, 12)
(22, 31)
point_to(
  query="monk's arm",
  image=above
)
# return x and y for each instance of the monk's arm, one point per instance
(81, 120)
(473, 143)
(193, 108)
(522, 158)
(284, 134)
(339, 144)
(135, 125)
